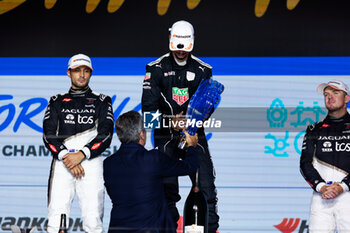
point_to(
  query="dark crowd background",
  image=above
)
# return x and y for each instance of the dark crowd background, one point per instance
(222, 28)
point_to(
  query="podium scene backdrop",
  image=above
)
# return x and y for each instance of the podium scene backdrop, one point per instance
(270, 55)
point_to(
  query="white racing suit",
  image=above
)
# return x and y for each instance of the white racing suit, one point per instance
(325, 158)
(77, 121)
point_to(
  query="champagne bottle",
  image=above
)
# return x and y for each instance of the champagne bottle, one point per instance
(63, 226)
(195, 211)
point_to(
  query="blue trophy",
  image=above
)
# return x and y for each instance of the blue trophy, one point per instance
(201, 105)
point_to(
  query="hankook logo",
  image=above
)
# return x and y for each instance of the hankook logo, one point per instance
(289, 225)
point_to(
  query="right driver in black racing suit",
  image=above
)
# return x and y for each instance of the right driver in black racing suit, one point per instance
(169, 84)
(325, 162)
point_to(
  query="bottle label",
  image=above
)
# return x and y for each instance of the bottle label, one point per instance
(194, 229)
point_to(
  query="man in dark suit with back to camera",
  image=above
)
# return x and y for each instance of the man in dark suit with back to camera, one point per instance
(133, 179)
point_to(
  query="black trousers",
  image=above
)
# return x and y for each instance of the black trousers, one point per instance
(206, 177)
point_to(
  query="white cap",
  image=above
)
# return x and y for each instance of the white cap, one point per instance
(336, 84)
(181, 36)
(79, 60)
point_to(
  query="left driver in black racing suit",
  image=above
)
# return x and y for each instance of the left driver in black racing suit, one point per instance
(78, 127)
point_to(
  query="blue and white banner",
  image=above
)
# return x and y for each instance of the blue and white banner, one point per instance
(259, 185)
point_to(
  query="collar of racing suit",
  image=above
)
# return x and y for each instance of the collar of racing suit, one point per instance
(79, 92)
(175, 64)
(337, 120)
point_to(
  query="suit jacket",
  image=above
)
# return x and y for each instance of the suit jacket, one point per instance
(133, 179)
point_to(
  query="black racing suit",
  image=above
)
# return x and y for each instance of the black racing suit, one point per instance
(325, 158)
(75, 113)
(168, 87)
(326, 143)
(77, 121)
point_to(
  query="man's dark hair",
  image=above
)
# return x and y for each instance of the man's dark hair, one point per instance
(129, 126)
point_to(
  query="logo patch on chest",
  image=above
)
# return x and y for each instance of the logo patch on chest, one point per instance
(170, 73)
(180, 95)
(67, 100)
(327, 146)
(147, 76)
(190, 76)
